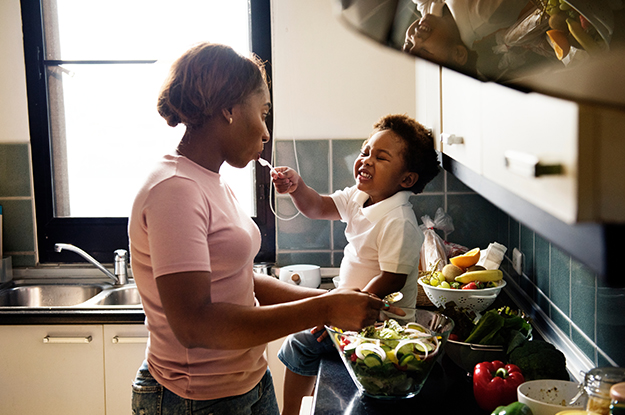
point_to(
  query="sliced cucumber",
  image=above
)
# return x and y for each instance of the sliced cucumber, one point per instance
(407, 358)
(372, 360)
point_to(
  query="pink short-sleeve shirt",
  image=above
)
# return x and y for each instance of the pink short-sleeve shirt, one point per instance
(185, 218)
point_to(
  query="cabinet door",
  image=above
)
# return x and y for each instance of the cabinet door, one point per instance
(461, 108)
(519, 129)
(51, 370)
(124, 351)
(428, 79)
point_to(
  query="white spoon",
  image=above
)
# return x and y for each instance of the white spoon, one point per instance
(265, 163)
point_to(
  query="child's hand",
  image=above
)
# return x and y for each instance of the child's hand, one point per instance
(285, 180)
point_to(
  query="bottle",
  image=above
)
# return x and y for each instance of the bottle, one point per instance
(597, 383)
(617, 396)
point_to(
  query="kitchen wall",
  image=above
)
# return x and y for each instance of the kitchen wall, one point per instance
(16, 195)
(564, 294)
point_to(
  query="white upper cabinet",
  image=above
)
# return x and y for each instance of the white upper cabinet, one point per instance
(461, 135)
(562, 157)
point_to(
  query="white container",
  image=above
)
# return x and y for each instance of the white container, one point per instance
(549, 396)
(304, 275)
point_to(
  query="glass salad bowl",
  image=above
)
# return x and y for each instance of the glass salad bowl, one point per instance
(393, 358)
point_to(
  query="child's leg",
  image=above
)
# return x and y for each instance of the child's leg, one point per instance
(301, 354)
(295, 388)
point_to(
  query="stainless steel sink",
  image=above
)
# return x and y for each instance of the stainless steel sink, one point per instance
(54, 294)
(48, 295)
(122, 296)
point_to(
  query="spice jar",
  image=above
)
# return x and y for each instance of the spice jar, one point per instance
(597, 384)
(617, 395)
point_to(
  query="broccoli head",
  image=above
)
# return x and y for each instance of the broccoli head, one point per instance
(539, 360)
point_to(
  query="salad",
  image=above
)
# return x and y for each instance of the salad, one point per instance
(388, 359)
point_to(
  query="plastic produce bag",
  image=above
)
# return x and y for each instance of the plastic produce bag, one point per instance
(433, 251)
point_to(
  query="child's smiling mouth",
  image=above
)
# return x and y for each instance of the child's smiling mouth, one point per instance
(363, 174)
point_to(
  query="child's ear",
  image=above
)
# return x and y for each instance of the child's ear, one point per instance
(409, 180)
(460, 55)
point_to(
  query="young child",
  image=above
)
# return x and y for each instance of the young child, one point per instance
(384, 239)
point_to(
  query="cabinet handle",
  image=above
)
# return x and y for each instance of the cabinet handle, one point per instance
(67, 340)
(129, 340)
(451, 139)
(528, 165)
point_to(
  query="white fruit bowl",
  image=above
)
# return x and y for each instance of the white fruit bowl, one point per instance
(470, 300)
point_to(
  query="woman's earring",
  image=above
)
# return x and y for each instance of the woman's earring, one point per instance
(230, 120)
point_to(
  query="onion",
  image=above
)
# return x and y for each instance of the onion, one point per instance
(371, 348)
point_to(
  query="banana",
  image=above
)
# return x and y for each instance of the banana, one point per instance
(584, 39)
(483, 276)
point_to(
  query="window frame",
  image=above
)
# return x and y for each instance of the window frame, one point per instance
(100, 236)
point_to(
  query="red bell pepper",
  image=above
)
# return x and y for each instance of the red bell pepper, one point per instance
(495, 384)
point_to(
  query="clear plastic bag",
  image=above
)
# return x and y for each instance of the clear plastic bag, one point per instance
(433, 250)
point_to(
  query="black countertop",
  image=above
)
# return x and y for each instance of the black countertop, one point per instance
(448, 390)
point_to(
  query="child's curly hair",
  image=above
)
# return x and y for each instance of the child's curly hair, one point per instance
(419, 154)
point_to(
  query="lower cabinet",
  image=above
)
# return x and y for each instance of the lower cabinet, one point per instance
(69, 369)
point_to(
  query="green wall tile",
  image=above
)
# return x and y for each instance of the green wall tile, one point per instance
(475, 220)
(17, 223)
(313, 159)
(527, 248)
(323, 259)
(338, 234)
(610, 326)
(424, 204)
(300, 233)
(560, 280)
(344, 154)
(584, 293)
(14, 170)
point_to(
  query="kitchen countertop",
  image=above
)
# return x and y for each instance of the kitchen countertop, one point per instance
(448, 390)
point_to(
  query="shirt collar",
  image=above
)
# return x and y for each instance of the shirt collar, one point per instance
(378, 210)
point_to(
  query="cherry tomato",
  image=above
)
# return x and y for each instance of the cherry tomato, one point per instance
(470, 286)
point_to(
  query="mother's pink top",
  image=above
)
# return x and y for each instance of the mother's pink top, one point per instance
(185, 218)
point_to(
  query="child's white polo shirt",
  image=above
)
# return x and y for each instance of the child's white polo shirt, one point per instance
(382, 237)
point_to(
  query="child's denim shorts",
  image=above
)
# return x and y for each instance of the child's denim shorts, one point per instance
(301, 352)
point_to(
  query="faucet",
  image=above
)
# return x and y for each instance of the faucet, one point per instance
(121, 262)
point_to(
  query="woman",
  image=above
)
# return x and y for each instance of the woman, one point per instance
(192, 248)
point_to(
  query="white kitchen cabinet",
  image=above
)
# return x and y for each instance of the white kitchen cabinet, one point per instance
(428, 97)
(508, 135)
(461, 99)
(51, 370)
(69, 369)
(530, 147)
(124, 351)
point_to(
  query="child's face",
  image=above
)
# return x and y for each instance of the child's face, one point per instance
(380, 169)
(433, 38)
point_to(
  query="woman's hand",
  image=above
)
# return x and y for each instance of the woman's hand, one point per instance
(285, 179)
(353, 310)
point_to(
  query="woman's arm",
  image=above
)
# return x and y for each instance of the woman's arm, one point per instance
(307, 200)
(270, 290)
(198, 322)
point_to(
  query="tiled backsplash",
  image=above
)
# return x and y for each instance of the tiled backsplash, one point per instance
(16, 198)
(571, 296)
(588, 313)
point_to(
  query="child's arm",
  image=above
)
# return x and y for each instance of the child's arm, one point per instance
(307, 200)
(386, 283)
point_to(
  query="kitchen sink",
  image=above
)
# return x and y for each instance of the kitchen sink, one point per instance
(122, 296)
(40, 294)
(48, 295)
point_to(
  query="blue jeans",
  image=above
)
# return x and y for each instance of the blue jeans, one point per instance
(301, 352)
(151, 398)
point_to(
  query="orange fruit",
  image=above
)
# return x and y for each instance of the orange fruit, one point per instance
(466, 260)
(559, 42)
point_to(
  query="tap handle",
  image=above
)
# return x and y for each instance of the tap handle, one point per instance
(121, 265)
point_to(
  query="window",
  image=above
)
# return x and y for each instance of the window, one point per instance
(93, 74)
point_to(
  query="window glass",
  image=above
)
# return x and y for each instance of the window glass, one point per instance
(105, 130)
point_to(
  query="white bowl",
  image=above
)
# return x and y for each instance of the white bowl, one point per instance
(549, 396)
(472, 300)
